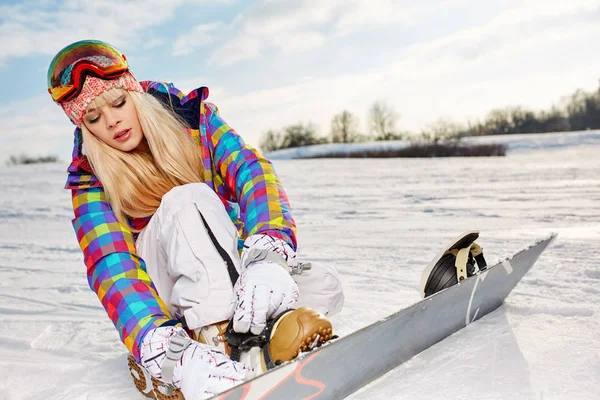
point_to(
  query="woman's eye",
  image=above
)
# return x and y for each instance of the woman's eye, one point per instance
(93, 120)
(120, 103)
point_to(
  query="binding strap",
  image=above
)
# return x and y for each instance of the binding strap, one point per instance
(178, 343)
(254, 255)
(241, 342)
(462, 258)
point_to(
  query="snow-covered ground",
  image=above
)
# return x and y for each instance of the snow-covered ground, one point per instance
(380, 221)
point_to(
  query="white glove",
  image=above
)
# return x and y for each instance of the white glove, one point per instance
(200, 373)
(265, 287)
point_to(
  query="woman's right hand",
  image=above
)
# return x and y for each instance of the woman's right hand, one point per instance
(200, 372)
(265, 288)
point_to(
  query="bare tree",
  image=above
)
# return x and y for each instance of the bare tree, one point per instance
(554, 120)
(442, 129)
(382, 121)
(300, 134)
(25, 159)
(344, 128)
(498, 121)
(296, 135)
(270, 141)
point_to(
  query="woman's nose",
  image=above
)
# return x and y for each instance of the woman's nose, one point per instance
(112, 119)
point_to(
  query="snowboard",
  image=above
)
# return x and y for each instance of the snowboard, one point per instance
(341, 367)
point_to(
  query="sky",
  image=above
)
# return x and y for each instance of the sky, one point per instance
(273, 63)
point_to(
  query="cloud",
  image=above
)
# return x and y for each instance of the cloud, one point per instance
(153, 43)
(35, 27)
(47, 132)
(315, 100)
(244, 48)
(298, 41)
(286, 26)
(297, 26)
(511, 29)
(355, 15)
(201, 35)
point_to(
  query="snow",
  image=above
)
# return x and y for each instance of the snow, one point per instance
(380, 221)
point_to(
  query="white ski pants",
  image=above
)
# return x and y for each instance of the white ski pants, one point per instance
(191, 276)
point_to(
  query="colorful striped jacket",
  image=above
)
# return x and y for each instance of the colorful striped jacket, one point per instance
(244, 180)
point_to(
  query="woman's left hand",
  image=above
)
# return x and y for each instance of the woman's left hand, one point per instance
(265, 287)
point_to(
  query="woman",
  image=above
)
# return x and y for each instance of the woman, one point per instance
(165, 195)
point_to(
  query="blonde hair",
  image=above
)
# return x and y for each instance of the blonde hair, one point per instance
(136, 181)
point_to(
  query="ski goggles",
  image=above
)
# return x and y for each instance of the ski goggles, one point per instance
(69, 68)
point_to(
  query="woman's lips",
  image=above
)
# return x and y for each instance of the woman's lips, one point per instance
(123, 135)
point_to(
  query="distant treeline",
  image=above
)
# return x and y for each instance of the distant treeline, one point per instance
(452, 148)
(579, 111)
(25, 159)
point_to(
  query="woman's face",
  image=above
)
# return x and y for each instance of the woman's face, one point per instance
(115, 122)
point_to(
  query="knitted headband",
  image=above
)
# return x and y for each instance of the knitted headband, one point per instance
(92, 87)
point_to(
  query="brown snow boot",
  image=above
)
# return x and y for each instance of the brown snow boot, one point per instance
(150, 386)
(213, 335)
(296, 331)
(284, 338)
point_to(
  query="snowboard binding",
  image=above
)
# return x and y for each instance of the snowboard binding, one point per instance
(283, 339)
(461, 259)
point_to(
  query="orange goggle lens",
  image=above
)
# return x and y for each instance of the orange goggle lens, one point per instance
(72, 64)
